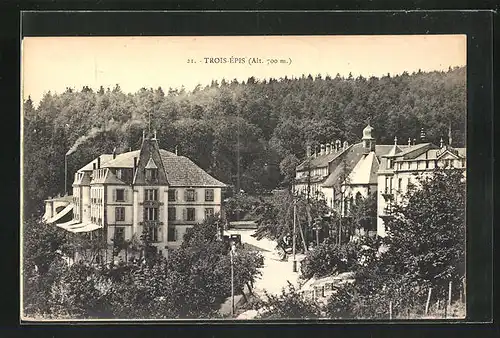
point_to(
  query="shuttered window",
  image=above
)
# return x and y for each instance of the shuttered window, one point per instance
(172, 195)
(119, 234)
(209, 212)
(120, 214)
(190, 195)
(172, 214)
(191, 214)
(119, 195)
(172, 234)
(209, 195)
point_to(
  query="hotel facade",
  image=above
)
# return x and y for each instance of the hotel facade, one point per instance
(341, 173)
(148, 191)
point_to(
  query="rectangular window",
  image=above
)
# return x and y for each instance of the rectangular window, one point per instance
(172, 234)
(172, 214)
(400, 181)
(120, 214)
(386, 185)
(120, 195)
(151, 195)
(119, 234)
(408, 164)
(151, 174)
(189, 195)
(209, 195)
(151, 214)
(154, 234)
(209, 212)
(172, 195)
(191, 214)
(426, 164)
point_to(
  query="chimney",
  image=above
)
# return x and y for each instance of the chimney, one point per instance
(322, 147)
(338, 144)
(414, 141)
(114, 153)
(99, 162)
(441, 143)
(328, 148)
(395, 140)
(409, 141)
(346, 144)
(308, 151)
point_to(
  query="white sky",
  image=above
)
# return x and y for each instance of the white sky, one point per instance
(54, 63)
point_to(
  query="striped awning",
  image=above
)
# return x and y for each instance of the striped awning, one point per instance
(67, 224)
(61, 214)
(84, 227)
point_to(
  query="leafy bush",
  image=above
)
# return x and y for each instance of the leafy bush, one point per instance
(329, 257)
(289, 305)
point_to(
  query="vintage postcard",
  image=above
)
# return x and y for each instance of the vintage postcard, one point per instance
(243, 177)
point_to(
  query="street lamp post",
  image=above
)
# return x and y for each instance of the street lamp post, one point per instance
(342, 207)
(232, 252)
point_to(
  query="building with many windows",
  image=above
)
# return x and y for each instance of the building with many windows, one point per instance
(150, 190)
(341, 173)
(400, 167)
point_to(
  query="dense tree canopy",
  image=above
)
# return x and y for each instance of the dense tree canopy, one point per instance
(254, 131)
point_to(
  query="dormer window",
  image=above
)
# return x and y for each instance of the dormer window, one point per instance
(151, 174)
(151, 170)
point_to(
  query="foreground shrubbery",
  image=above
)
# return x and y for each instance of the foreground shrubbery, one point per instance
(290, 304)
(192, 283)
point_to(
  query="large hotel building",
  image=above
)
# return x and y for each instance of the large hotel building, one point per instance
(148, 191)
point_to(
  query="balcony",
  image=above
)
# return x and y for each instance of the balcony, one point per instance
(151, 203)
(151, 223)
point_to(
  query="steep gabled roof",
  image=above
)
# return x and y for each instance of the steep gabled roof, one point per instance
(150, 150)
(414, 151)
(365, 171)
(320, 161)
(105, 158)
(111, 178)
(183, 172)
(351, 157)
(124, 160)
(179, 170)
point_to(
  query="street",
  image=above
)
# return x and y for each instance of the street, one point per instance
(275, 273)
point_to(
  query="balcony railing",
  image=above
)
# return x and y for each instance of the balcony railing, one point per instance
(151, 203)
(151, 223)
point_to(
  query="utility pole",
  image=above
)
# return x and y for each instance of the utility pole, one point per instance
(294, 233)
(65, 174)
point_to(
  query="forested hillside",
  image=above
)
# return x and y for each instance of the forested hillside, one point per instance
(262, 122)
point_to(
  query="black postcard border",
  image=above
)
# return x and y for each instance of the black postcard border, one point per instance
(478, 25)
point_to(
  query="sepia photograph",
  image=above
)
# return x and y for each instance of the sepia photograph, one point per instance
(243, 177)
